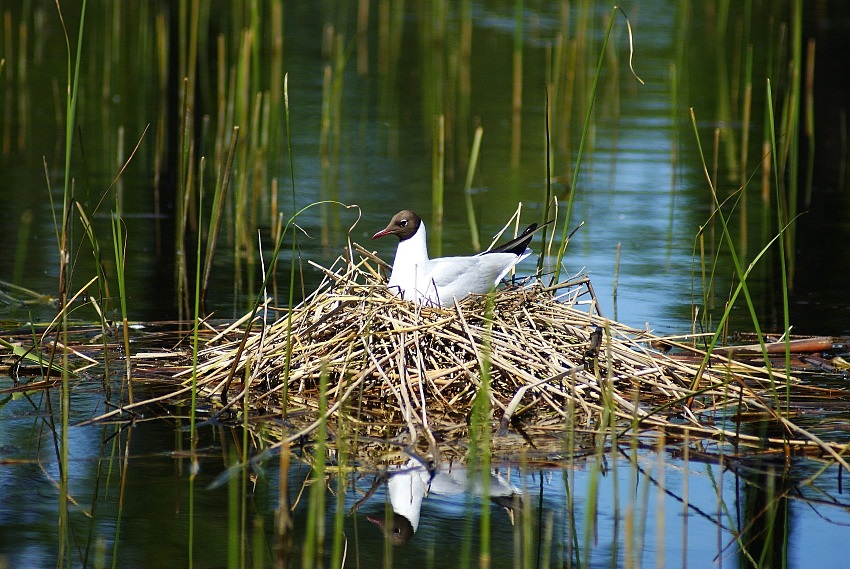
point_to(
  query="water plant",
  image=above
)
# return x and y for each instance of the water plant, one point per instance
(73, 83)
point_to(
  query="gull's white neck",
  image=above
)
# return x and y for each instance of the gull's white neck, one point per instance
(411, 255)
(406, 489)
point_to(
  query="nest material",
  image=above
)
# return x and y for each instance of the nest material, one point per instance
(387, 367)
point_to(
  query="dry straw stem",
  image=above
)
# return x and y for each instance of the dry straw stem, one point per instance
(409, 374)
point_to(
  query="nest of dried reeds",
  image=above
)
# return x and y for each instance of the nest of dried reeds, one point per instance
(356, 356)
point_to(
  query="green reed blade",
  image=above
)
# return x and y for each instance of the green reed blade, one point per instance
(467, 189)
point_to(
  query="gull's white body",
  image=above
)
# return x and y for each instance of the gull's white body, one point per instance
(406, 488)
(438, 282)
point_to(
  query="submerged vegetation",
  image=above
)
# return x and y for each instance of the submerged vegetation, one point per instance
(312, 384)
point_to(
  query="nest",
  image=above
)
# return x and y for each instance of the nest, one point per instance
(357, 358)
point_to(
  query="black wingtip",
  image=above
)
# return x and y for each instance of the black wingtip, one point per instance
(519, 244)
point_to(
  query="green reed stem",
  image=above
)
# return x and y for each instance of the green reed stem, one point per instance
(614, 287)
(120, 250)
(573, 551)
(739, 271)
(233, 510)
(614, 462)
(791, 132)
(124, 469)
(292, 252)
(344, 442)
(196, 324)
(484, 416)
(516, 99)
(240, 551)
(24, 227)
(547, 196)
(809, 124)
(219, 196)
(181, 203)
(103, 283)
(686, 477)
(314, 537)
(438, 169)
(331, 128)
(64, 537)
(467, 188)
(630, 517)
(745, 145)
(782, 221)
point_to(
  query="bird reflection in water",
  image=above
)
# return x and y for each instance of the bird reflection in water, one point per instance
(409, 484)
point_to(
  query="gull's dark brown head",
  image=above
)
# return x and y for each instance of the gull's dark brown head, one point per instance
(403, 225)
(399, 531)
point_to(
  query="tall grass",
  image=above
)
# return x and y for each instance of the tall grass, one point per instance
(742, 286)
(238, 140)
(779, 168)
(73, 84)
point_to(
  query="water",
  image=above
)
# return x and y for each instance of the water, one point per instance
(630, 194)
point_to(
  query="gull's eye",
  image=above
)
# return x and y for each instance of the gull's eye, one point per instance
(403, 223)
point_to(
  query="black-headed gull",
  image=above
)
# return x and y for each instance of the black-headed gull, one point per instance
(440, 281)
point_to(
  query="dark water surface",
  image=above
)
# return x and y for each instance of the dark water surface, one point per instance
(641, 188)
